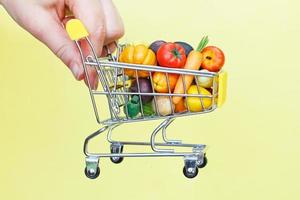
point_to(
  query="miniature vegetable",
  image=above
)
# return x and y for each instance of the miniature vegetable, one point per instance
(148, 109)
(133, 107)
(164, 105)
(203, 81)
(154, 46)
(137, 54)
(193, 62)
(145, 87)
(171, 55)
(188, 48)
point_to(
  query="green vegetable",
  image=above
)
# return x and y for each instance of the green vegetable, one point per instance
(148, 109)
(133, 106)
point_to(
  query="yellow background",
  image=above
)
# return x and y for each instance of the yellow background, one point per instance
(254, 140)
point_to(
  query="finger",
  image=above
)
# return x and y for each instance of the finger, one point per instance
(109, 49)
(93, 78)
(92, 75)
(91, 14)
(47, 28)
(66, 19)
(113, 22)
(58, 41)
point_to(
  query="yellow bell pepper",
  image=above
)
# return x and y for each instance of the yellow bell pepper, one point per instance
(137, 54)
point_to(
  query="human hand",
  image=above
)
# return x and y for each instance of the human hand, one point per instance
(45, 20)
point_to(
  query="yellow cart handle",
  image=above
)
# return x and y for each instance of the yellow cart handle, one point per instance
(222, 93)
(76, 29)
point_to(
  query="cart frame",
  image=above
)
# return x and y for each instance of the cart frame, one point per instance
(111, 73)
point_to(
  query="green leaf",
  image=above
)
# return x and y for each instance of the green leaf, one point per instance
(202, 43)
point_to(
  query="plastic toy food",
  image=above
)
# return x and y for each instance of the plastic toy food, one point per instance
(133, 107)
(144, 86)
(204, 81)
(171, 55)
(138, 54)
(161, 82)
(195, 103)
(187, 47)
(154, 46)
(213, 59)
(193, 62)
(180, 106)
(164, 105)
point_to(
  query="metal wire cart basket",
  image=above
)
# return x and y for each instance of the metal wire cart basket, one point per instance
(115, 86)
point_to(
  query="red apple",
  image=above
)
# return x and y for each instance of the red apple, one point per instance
(213, 58)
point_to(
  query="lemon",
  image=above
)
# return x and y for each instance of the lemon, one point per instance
(194, 103)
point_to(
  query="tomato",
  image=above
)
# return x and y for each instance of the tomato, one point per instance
(171, 55)
(137, 54)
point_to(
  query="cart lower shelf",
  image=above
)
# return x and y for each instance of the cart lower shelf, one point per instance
(193, 159)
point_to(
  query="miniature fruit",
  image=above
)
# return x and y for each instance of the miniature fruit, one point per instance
(137, 54)
(213, 58)
(171, 55)
(194, 103)
(144, 87)
(188, 48)
(154, 46)
(160, 82)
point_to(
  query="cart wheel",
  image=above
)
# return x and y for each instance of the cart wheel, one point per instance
(189, 172)
(204, 163)
(116, 160)
(116, 148)
(90, 174)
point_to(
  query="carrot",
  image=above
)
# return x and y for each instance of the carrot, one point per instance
(193, 62)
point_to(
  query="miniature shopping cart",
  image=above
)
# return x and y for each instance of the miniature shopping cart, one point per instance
(115, 89)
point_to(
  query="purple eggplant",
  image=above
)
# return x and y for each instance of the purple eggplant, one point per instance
(154, 46)
(145, 87)
(188, 48)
